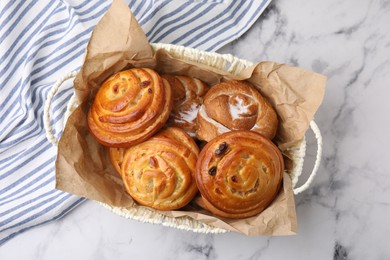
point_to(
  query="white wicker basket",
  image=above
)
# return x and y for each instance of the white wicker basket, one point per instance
(225, 62)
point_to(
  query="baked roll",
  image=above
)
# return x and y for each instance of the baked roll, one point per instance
(187, 98)
(235, 105)
(160, 172)
(238, 174)
(130, 107)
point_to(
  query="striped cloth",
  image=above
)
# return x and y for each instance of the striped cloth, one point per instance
(40, 41)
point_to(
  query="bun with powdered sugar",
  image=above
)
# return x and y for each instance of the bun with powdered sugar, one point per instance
(235, 105)
(187, 98)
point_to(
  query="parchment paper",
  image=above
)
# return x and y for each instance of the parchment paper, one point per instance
(117, 43)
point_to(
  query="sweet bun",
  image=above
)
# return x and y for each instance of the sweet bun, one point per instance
(235, 105)
(130, 107)
(187, 99)
(238, 174)
(160, 172)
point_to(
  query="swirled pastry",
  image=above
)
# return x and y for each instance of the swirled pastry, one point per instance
(239, 174)
(130, 107)
(187, 99)
(235, 105)
(160, 172)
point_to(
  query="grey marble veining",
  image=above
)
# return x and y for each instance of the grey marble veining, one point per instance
(349, 43)
(343, 215)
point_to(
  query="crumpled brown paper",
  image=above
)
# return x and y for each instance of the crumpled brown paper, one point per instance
(83, 167)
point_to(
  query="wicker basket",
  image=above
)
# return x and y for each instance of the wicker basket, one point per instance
(225, 62)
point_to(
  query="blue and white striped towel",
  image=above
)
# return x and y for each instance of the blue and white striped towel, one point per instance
(40, 41)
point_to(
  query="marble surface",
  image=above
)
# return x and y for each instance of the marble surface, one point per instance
(344, 215)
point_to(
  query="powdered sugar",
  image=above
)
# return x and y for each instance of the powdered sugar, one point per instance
(190, 114)
(238, 108)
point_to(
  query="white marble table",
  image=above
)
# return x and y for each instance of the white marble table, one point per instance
(344, 215)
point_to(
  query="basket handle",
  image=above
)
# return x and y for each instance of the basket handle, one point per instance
(317, 133)
(46, 112)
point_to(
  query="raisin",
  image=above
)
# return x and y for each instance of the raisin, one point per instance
(153, 162)
(217, 190)
(150, 90)
(213, 171)
(234, 178)
(144, 83)
(115, 88)
(221, 149)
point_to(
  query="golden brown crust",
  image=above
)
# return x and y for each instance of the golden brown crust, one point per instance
(187, 99)
(239, 174)
(180, 136)
(160, 172)
(130, 107)
(235, 105)
(116, 157)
